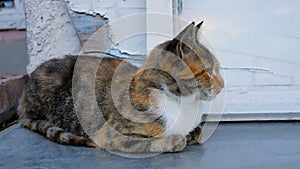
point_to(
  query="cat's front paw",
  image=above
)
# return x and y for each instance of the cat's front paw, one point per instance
(178, 143)
(173, 143)
(194, 137)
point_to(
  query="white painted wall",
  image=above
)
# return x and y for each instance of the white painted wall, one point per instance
(13, 18)
(256, 44)
(126, 19)
(159, 23)
(50, 31)
(258, 41)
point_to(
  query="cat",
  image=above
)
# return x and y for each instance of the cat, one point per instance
(163, 95)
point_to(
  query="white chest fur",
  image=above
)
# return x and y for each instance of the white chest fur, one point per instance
(181, 114)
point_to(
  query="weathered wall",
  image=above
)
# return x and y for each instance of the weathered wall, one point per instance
(50, 31)
(258, 52)
(13, 18)
(126, 19)
(257, 41)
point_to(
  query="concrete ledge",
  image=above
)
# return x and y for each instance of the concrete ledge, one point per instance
(11, 87)
(232, 146)
(259, 103)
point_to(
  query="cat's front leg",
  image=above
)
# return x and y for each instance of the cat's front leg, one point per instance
(107, 138)
(173, 143)
(194, 137)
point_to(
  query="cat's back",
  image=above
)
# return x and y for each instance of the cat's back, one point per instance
(48, 91)
(46, 83)
(49, 88)
(59, 72)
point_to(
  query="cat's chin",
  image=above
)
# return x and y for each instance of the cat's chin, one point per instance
(205, 96)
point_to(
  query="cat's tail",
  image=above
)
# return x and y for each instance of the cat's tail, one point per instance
(56, 134)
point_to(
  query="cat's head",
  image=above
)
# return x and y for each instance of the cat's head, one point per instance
(193, 66)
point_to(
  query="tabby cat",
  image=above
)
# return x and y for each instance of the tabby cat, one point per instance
(153, 108)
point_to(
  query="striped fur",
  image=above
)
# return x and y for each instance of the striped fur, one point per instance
(139, 106)
(56, 134)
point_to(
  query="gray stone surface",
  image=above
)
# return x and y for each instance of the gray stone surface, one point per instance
(233, 146)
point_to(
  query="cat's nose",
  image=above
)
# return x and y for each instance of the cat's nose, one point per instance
(222, 84)
(217, 90)
(218, 84)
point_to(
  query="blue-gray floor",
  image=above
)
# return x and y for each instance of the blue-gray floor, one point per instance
(233, 146)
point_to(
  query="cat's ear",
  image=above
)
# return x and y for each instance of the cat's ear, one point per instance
(198, 27)
(186, 41)
(187, 35)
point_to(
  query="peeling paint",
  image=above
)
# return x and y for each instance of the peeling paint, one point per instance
(137, 60)
(251, 76)
(85, 23)
(255, 70)
(282, 60)
(119, 14)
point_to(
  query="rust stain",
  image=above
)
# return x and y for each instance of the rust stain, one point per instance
(11, 87)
